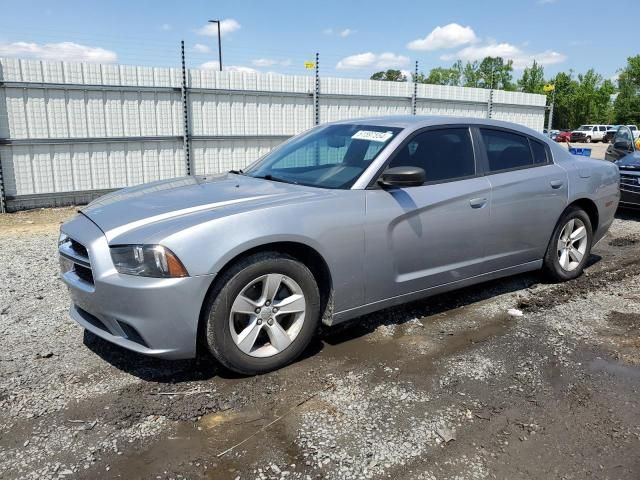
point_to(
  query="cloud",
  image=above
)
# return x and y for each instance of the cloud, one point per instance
(450, 36)
(228, 25)
(369, 60)
(521, 59)
(65, 51)
(341, 33)
(201, 48)
(214, 65)
(270, 62)
(166, 27)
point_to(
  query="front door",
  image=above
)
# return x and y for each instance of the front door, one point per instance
(424, 236)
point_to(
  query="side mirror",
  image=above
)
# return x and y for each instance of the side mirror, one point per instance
(622, 145)
(403, 177)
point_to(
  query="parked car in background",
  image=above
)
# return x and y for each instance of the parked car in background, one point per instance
(610, 133)
(622, 144)
(588, 133)
(629, 167)
(563, 136)
(553, 134)
(247, 264)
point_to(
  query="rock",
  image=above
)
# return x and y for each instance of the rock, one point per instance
(514, 312)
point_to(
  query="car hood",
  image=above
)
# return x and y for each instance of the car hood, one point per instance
(630, 161)
(125, 210)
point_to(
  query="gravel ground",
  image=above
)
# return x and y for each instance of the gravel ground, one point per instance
(460, 386)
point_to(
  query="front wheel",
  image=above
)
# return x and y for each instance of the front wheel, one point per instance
(588, 140)
(262, 313)
(570, 246)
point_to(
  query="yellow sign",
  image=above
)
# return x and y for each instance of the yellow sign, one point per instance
(309, 65)
(549, 87)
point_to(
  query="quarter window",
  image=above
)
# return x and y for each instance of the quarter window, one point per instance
(506, 150)
(444, 154)
(539, 152)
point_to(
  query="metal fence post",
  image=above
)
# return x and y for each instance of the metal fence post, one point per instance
(3, 207)
(414, 99)
(186, 138)
(490, 104)
(316, 93)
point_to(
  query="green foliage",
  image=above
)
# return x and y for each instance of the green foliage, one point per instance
(532, 80)
(390, 76)
(578, 99)
(627, 103)
(442, 76)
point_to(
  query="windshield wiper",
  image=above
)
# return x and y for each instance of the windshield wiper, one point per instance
(237, 172)
(277, 179)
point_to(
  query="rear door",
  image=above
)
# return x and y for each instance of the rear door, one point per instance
(528, 194)
(424, 236)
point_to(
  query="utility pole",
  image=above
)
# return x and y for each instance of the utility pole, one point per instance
(219, 43)
(553, 101)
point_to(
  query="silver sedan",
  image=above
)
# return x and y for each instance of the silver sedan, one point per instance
(342, 220)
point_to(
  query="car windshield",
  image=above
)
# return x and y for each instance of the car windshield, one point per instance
(332, 156)
(585, 127)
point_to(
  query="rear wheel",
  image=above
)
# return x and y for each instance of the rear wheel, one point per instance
(570, 245)
(263, 313)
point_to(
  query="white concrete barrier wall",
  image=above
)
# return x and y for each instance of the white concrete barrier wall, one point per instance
(69, 128)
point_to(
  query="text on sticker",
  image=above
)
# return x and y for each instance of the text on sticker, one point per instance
(372, 136)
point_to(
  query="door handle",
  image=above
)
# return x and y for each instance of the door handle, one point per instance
(556, 183)
(478, 202)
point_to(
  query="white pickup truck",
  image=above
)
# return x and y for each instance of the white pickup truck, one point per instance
(589, 133)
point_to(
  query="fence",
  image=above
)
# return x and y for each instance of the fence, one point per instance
(70, 132)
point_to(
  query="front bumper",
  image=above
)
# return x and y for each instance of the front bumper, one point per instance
(152, 316)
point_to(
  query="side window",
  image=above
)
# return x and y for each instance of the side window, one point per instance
(603, 129)
(506, 150)
(539, 152)
(444, 154)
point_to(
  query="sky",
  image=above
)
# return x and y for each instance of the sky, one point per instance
(354, 38)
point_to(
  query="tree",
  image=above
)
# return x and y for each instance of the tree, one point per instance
(390, 76)
(580, 100)
(471, 75)
(495, 73)
(532, 80)
(443, 76)
(627, 103)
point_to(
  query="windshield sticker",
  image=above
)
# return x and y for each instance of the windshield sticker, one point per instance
(372, 136)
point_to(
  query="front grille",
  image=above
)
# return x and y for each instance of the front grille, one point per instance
(84, 273)
(78, 256)
(79, 248)
(629, 182)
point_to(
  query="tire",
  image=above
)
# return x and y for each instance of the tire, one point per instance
(553, 259)
(588, 140)
(265, 347)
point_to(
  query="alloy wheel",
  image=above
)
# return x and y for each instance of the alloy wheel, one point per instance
(267, 315)
(572, 244)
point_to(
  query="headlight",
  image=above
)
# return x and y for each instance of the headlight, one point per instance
(147, 261)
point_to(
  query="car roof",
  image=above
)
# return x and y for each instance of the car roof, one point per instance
(415, 122)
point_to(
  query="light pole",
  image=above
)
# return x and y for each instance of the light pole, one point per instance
(219, 43)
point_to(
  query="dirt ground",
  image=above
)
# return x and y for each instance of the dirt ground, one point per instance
(453, 387)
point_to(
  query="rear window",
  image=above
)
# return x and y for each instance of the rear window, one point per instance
(506, 150)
